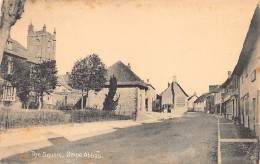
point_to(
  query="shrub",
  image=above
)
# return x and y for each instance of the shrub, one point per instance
(19, 118)
(91, 115)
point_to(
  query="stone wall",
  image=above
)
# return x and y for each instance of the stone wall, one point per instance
(127, 103)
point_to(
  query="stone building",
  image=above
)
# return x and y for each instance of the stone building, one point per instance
(63, 95)
(174, 97)
(134, 94)
(41, 44)
(200, 103)
(38, 46)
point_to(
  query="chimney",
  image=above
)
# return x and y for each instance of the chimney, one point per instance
(44, 28)
(129, 66)
(195, 94)
(169, 84)
(229, 74)
(148, 81)
(174, 78)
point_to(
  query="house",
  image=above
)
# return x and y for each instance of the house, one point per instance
(230, 90)
(174, 97)
(200, 103)
(191, 100)
(248, 72)
(218, 103)
(41, 46)
(133, 93)
(210, 101)
(63, 95)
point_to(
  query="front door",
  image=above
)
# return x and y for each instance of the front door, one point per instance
(169, 109)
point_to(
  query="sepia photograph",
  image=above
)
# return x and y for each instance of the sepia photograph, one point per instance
(129, 81)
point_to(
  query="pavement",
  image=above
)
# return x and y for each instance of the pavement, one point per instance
(237, 143)
(17, 141)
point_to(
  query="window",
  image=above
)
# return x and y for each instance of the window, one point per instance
(255, 110)
(66, 100)
(253, 76)
(146, 104)
(49, 99)
(180, 101)
(247, 105)
(9, 93)
(38, 48)
(10, 66)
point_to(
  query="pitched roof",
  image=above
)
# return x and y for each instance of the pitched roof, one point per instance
(201, 98)
(182, 90)
(249, 44)
(64, 81)
(124, 75)
(17, 49)
(192, 97)
(178, 85)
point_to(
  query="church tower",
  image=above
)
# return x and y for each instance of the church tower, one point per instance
(41, 44)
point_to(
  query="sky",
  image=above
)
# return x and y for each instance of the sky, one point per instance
(196, 40)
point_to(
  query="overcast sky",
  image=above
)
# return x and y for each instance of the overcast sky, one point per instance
(196, 40)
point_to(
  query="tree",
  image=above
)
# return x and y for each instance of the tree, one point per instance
(88, 74)
(110, 103)
(21, 80)
(11, 11)
(44, 79)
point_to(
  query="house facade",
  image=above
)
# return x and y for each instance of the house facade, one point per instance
(200, 103)
(247, 69)
(230, 97)
(191, 102)
(174, 98)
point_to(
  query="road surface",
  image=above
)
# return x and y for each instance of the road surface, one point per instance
(192, 138)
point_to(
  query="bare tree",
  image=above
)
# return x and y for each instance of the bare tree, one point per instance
(11, 11)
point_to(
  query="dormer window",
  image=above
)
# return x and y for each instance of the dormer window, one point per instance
(9, 45)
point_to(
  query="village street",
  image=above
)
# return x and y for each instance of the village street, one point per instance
(192, 138)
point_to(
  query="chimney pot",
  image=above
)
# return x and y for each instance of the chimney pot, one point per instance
(229, 74)
(148, 80)
(129, 65)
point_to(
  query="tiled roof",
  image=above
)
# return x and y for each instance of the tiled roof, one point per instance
(17, 49)
(201, 98)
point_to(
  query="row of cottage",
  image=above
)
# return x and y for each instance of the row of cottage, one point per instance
(134, 94)
(238, 98)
